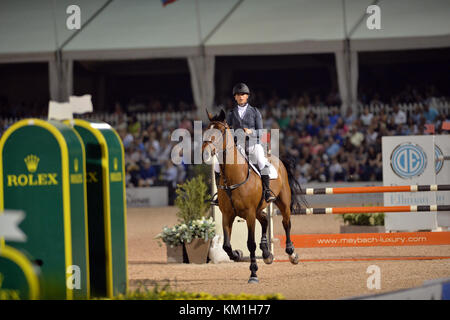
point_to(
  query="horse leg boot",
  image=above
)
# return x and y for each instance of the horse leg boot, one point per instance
(215, 200)
(264, 244)
(290, 249)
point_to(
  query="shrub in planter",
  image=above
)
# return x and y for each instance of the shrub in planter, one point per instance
(363, 222)
(200, 234)
(364, 219)
(194, 231)
(193, 202)
(174, 238)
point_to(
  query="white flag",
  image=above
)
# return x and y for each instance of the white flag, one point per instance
(59, 111)
(9, 225)
(81, 104)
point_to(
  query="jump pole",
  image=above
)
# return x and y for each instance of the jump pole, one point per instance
(345, 210)
(380, 189)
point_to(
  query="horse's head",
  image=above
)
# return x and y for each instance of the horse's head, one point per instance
(213, 139)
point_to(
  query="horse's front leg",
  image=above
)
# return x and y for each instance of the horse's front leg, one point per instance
(263, 218)
(251, 245)
(227, 225)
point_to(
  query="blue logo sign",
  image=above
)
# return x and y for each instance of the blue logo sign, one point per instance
(408, 160)
(439, 163)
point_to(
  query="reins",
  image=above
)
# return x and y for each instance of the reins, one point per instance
(232, 187)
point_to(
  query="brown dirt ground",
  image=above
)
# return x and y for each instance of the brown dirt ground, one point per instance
(307, 280)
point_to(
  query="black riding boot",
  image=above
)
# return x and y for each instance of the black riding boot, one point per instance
(215, 199)
(268, 194)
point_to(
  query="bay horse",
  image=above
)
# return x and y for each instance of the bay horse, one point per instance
(240, 194)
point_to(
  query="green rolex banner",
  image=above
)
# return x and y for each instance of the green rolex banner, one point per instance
(42, 172)
(105, 171)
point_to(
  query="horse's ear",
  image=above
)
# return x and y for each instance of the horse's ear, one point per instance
(222, 116)
(210, 116)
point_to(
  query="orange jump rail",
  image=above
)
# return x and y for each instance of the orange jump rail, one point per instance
(380, 189)
(345, 210)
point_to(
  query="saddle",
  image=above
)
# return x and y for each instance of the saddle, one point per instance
(273, 173)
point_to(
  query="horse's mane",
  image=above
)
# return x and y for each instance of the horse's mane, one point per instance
(219, 117)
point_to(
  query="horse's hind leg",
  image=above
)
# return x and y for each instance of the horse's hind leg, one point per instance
(227, 224)
(285, 209)
(263, 218)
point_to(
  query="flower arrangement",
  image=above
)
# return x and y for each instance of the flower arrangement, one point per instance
(174, 236)
(202, 228)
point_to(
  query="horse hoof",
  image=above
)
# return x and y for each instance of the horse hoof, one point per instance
(293, 258)
(269, 259)
(253, 280)
(240, 255)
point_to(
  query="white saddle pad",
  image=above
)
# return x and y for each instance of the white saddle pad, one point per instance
(273, 173)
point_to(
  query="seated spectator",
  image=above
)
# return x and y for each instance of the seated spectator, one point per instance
(342, 128)
(316, 146)
(127, 138)
(304, 138)
(371, 135)
(132, 174)
(430, 113)
(147, 174)
(350, 117)
(336, 170)
(417, 114)
(334, 117)
(165, 150)
(356, 137)
(134, 126)
(303, 167)
(169, 176)
(284, 120)
(352, 169)
(333, 148)
(375, 163)
(136, 155)
(391, 126)
(399, 115)
(366, 117)
(313, 127)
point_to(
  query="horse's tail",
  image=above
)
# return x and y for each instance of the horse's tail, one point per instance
(297, 198)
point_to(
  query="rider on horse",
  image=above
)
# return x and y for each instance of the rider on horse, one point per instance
(249, 119)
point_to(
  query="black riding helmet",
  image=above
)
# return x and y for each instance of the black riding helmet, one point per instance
(241, 88)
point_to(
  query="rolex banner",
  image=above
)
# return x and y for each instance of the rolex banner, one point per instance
(410, 160)
(106, 198)
(42, 174)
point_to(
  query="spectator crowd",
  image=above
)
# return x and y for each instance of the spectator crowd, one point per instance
(334, 147)
(330, 148)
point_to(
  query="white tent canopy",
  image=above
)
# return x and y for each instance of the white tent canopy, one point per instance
(34, 30)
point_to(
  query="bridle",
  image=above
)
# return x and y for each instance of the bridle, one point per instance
(226, 187)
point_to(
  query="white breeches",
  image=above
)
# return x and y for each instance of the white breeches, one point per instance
(256, 154)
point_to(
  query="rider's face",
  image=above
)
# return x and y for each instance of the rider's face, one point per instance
(241, 98)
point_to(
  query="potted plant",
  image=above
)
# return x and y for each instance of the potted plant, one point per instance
(193, 203)
(199, 236)
(174, 239)
(363, 223)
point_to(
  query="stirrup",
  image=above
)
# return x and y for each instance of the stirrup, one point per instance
(215, 202)
(269, 196)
